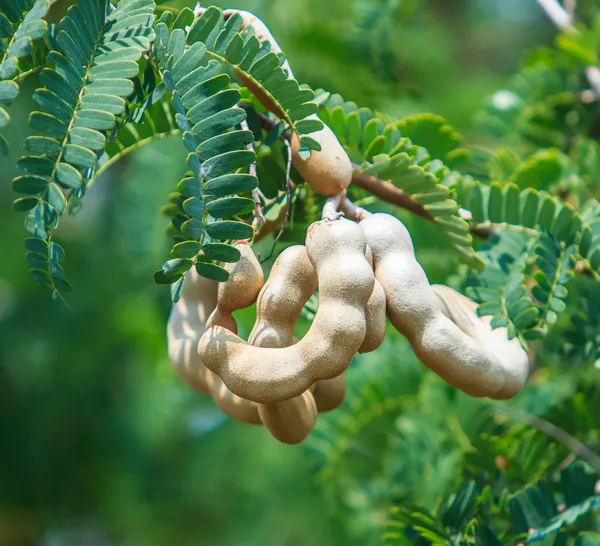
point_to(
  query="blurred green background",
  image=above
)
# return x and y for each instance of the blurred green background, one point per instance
(100, 443)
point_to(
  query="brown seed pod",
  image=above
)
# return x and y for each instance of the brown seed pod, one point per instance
(345, 279)
(188, 320)
(187, 323)
(240, 290)
(290, 284)
(329, 393)
(376, 321)
(328, 172)
(463, 312)
(498, 370)
(290, 421)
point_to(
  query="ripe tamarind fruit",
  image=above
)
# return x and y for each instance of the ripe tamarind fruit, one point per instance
(186, 324)
(290, 284)
(200, 299)
(376, 320)
(478, 368)
(463, 312)
(240, 290)
(327, 172)
(345, 279)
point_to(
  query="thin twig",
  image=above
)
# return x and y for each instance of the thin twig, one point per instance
(259, 218)
(288, 197)
(353, 211)
(560, 435)
(330, 208)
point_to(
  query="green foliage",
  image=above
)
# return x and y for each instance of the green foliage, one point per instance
(83, 94)
(381, 149)
(21, 24)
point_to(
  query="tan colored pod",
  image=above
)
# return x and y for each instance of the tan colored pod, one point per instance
(292, 420)
(478, 368)
(246, 278)
(328, 172)
(185, 326)
(376, 321)
(329, 393)
(463, 312)
(291, 283)
(187, 323)
(345, 278)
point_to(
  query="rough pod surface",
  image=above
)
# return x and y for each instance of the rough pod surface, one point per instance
(328, 172)
(290, 284)
(476, 367)
(345, 279)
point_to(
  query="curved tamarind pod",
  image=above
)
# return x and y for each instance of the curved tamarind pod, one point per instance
(329, 393)
(345, 279)
(290, 284)
(238, 292)
(246, 278)
(329, 171)
(376, 321)
(187, 322)
(463, 312)
(477, 368)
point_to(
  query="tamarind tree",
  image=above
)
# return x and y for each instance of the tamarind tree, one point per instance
(316, 190)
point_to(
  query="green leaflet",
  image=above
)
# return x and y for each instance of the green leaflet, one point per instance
(381, 149)
(206, 201)
(20, 26)
(255, 64)
(84, 91)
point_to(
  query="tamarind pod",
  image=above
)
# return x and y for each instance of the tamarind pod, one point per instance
(376, 320)
(246, 278)
(187, 322)
(327, 172)
(292, 420)
(475, 367)
(238, 292)
(345, 279)
(329, 393)
(290, 284)
(463, 312)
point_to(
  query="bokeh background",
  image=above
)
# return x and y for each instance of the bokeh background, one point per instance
(100, 443)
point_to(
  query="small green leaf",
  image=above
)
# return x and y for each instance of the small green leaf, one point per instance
(29, 184)
(176, 267)
(212, 271)
(229, 229)
(221, 252)
(24, 204)
(9, 90)
(230, 206)
(193, 228)
(230, 184)
(186, 249)
(193, 207)
(68, 176)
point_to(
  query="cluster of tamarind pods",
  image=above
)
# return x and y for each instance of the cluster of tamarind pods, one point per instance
(365, 270)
